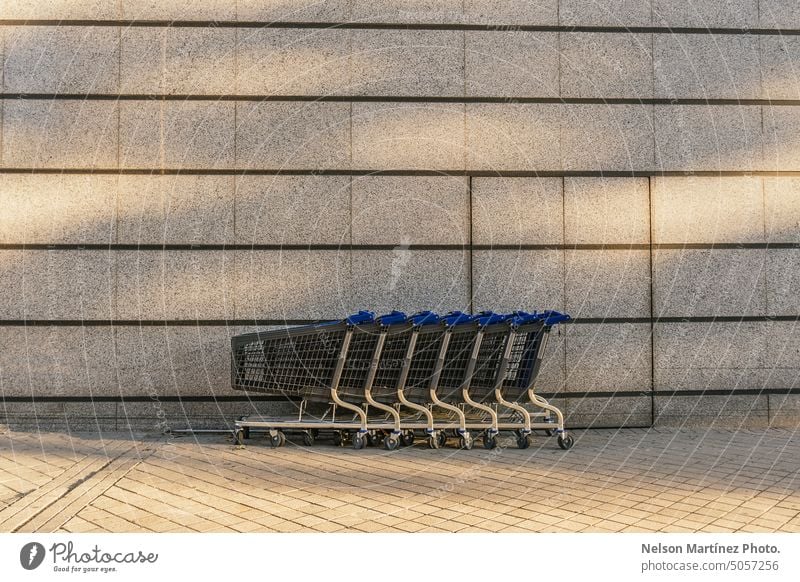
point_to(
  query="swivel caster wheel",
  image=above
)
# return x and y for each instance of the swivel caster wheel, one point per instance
(442, 436)
(372, 439)
(359, 442)
(565, 442)
(465, 442)
(489, 442)
(277, 440)
(308, 439)
(337, 439)
(391, 442)
(433, 441)
(523, 441)
(407, 439)
(239, 437)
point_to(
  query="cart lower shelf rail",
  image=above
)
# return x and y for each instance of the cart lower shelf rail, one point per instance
(397, 378)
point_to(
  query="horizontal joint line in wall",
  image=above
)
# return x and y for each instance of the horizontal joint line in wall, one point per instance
(392, 247)
(396, 26)
(396, 99)
(269, 322)
(401, 172)
(266, 398)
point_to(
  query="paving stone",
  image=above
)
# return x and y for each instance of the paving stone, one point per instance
(176, 209)
(293, 210)
(780, 14)
(779, 56)
(608, 283)
(178, 10)
(606, 65)
(199, 134)
(407, 62)
(292, 10)
(51, 59)
(709, 137)
(699, 66)
(606, 211)
(625, 133)
(781, 143)
(410, 280)
(293, 135)
(293, 285)
(693, 282)
(60, 10)
(710, 356)
(696, 209)
(408, 136)
(141, 143)
(56, 284)
(200, 61)
(410, 210)
(528, 280)
(52, 209)
(706, 13)
(782, 355)
(608, 357)
(164, 285)
(142, 63)
(604, 13)
(56, 361)
(278, 61)
(59, 134)
(512, 63)
(512, 136)
(714, 411)
(783, 279)
(407, 11)
(598, 412)
(509, 13)
(517, 211)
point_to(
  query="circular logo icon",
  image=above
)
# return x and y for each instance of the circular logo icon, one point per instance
(31, 555)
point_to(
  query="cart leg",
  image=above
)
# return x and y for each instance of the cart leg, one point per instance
(565, 441)
(238, 437)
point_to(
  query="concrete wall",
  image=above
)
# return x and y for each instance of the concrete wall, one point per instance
(495, 156)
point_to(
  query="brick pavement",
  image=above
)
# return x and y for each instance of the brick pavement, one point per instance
(639, 480)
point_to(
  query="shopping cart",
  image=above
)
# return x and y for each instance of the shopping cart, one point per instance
(398, 376)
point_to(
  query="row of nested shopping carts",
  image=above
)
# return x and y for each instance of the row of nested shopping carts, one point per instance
(389, 379)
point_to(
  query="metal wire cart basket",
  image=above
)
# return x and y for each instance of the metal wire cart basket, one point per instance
(390, 379)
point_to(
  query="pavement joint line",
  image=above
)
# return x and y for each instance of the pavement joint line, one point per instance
(23, 510)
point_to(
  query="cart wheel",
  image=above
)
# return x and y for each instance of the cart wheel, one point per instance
(565, 442)
(391, 442)
(465, 442)
(524, 441)
(359, 442)
(407, 439)
(337, 439)
(276, 441)
(433, 441)
(246, 432)
(548, 432)
(442, 436)
(371, 439)
(239, 437)
(308, 439)
(489, 442)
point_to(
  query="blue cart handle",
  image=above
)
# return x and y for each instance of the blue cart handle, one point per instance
(360, 317)
(392, 318)
(457, 318)
(424, 318)
(490, 317)
(554, 317)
